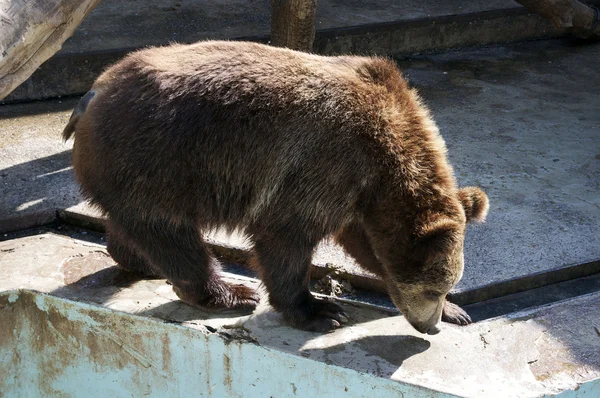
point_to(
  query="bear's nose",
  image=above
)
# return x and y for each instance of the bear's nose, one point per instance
(435, 329)
(421, 328)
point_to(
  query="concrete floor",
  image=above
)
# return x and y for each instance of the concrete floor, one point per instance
(521, 121)
(540, 352)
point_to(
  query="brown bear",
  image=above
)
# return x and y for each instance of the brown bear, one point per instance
(289, 147)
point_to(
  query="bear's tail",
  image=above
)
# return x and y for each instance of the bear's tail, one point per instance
(77, 113)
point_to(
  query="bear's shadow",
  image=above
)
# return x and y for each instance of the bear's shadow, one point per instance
(380, 355)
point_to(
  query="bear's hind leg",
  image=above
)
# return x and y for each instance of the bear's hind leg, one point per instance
(177, 252)
(284, 265)
(127, 258)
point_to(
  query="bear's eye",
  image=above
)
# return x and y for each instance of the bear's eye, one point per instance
(433, 295)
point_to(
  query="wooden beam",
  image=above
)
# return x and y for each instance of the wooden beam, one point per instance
(293, 23)
(31, 32)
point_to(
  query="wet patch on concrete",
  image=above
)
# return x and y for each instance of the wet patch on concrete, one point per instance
(96, 270)
(75, 268)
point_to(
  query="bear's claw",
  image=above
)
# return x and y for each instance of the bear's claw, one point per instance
(319, 316)
(452, 313)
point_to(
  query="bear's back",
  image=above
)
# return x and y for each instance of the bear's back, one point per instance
(226, 132)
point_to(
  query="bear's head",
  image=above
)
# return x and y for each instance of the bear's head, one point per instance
(433, 263)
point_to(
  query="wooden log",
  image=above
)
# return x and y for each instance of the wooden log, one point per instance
(293, 23)
(571, 15)
(31, 32)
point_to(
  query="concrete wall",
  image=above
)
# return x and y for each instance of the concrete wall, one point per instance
(55, 347)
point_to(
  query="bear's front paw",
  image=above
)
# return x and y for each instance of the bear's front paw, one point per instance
(316, 316)
(452, 313)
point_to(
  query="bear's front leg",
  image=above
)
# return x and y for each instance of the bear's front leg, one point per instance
(285, 271)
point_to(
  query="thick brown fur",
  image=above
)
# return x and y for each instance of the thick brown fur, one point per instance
(288, 146)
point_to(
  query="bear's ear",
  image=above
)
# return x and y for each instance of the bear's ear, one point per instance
(437, 237)
(475, 202)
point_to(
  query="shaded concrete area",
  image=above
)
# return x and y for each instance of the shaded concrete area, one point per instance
(521, 121)
(543, 351)
(135, 23)
(356, 27)
(35, 165)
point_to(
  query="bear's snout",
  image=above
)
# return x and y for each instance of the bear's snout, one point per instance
(427, 329)
(435, 329)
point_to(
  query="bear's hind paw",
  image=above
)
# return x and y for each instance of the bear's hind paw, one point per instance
(228, 298)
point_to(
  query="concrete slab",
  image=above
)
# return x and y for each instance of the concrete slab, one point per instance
(541, 352)
(521, 121)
